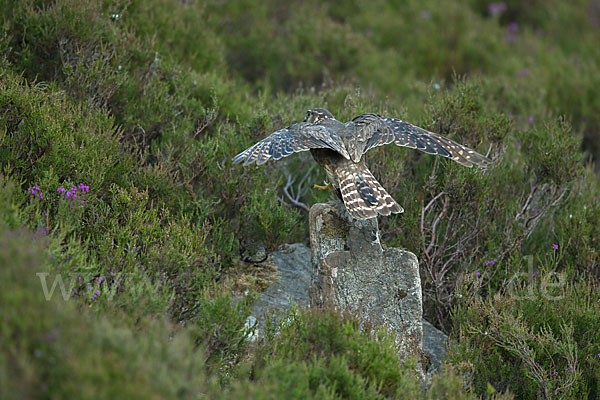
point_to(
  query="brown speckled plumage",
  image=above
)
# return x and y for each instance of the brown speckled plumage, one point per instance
(339, 148)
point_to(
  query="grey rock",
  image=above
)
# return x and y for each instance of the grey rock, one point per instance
(295, 270)
(353, 271)
(294, 267)
(434, 346)
(258, 257)
(251, 323)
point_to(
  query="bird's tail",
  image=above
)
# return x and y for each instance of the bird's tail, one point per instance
(363, 196)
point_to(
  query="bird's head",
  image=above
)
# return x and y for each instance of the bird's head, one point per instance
(317, 115)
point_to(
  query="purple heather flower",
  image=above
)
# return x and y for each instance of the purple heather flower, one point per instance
(399, 230)
(491, 262)
(75, 291)
(497, 8)
(100, 280)
(524, 72)
(511, 32)
(530, 120)
(555, 373)
(517, 144)
(68, 195)
(477, 273)
(79, 279)
(60, 190)
(22, 122)
(97, 293)
(510, 116)
(598, 355)
(36, 190)
(555, 246)
(425, 14)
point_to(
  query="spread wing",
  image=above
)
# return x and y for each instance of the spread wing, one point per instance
(302, 136)
(376, 130)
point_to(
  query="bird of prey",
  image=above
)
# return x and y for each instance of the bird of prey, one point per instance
(339, 149)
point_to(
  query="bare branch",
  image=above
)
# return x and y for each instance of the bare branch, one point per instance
(437, 220)
(301, 189)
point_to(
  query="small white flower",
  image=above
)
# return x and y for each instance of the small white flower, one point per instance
(436, 86)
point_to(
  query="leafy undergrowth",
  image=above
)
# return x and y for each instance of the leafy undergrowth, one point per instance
(118, 121)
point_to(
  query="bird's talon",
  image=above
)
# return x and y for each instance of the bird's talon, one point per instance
(328, 186)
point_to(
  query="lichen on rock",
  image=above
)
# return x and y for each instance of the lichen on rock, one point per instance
(354, 272)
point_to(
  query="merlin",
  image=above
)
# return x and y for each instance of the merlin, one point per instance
(339, 149)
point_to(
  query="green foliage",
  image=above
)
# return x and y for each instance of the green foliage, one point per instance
(221, 325)
(324, 354)
(544, 147)
(145, 103)
(61, 350)
(270, 220)
(539, 337)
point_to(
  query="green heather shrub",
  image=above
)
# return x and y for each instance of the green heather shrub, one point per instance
(539, 337)
(118, 122)
(68, 349)
(329, 355)
(59, 349)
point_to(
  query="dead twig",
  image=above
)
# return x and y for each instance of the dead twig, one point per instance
(423, 211)
(294, 194)
(437, 220)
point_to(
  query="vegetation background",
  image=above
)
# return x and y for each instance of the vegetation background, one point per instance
(118, 121)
